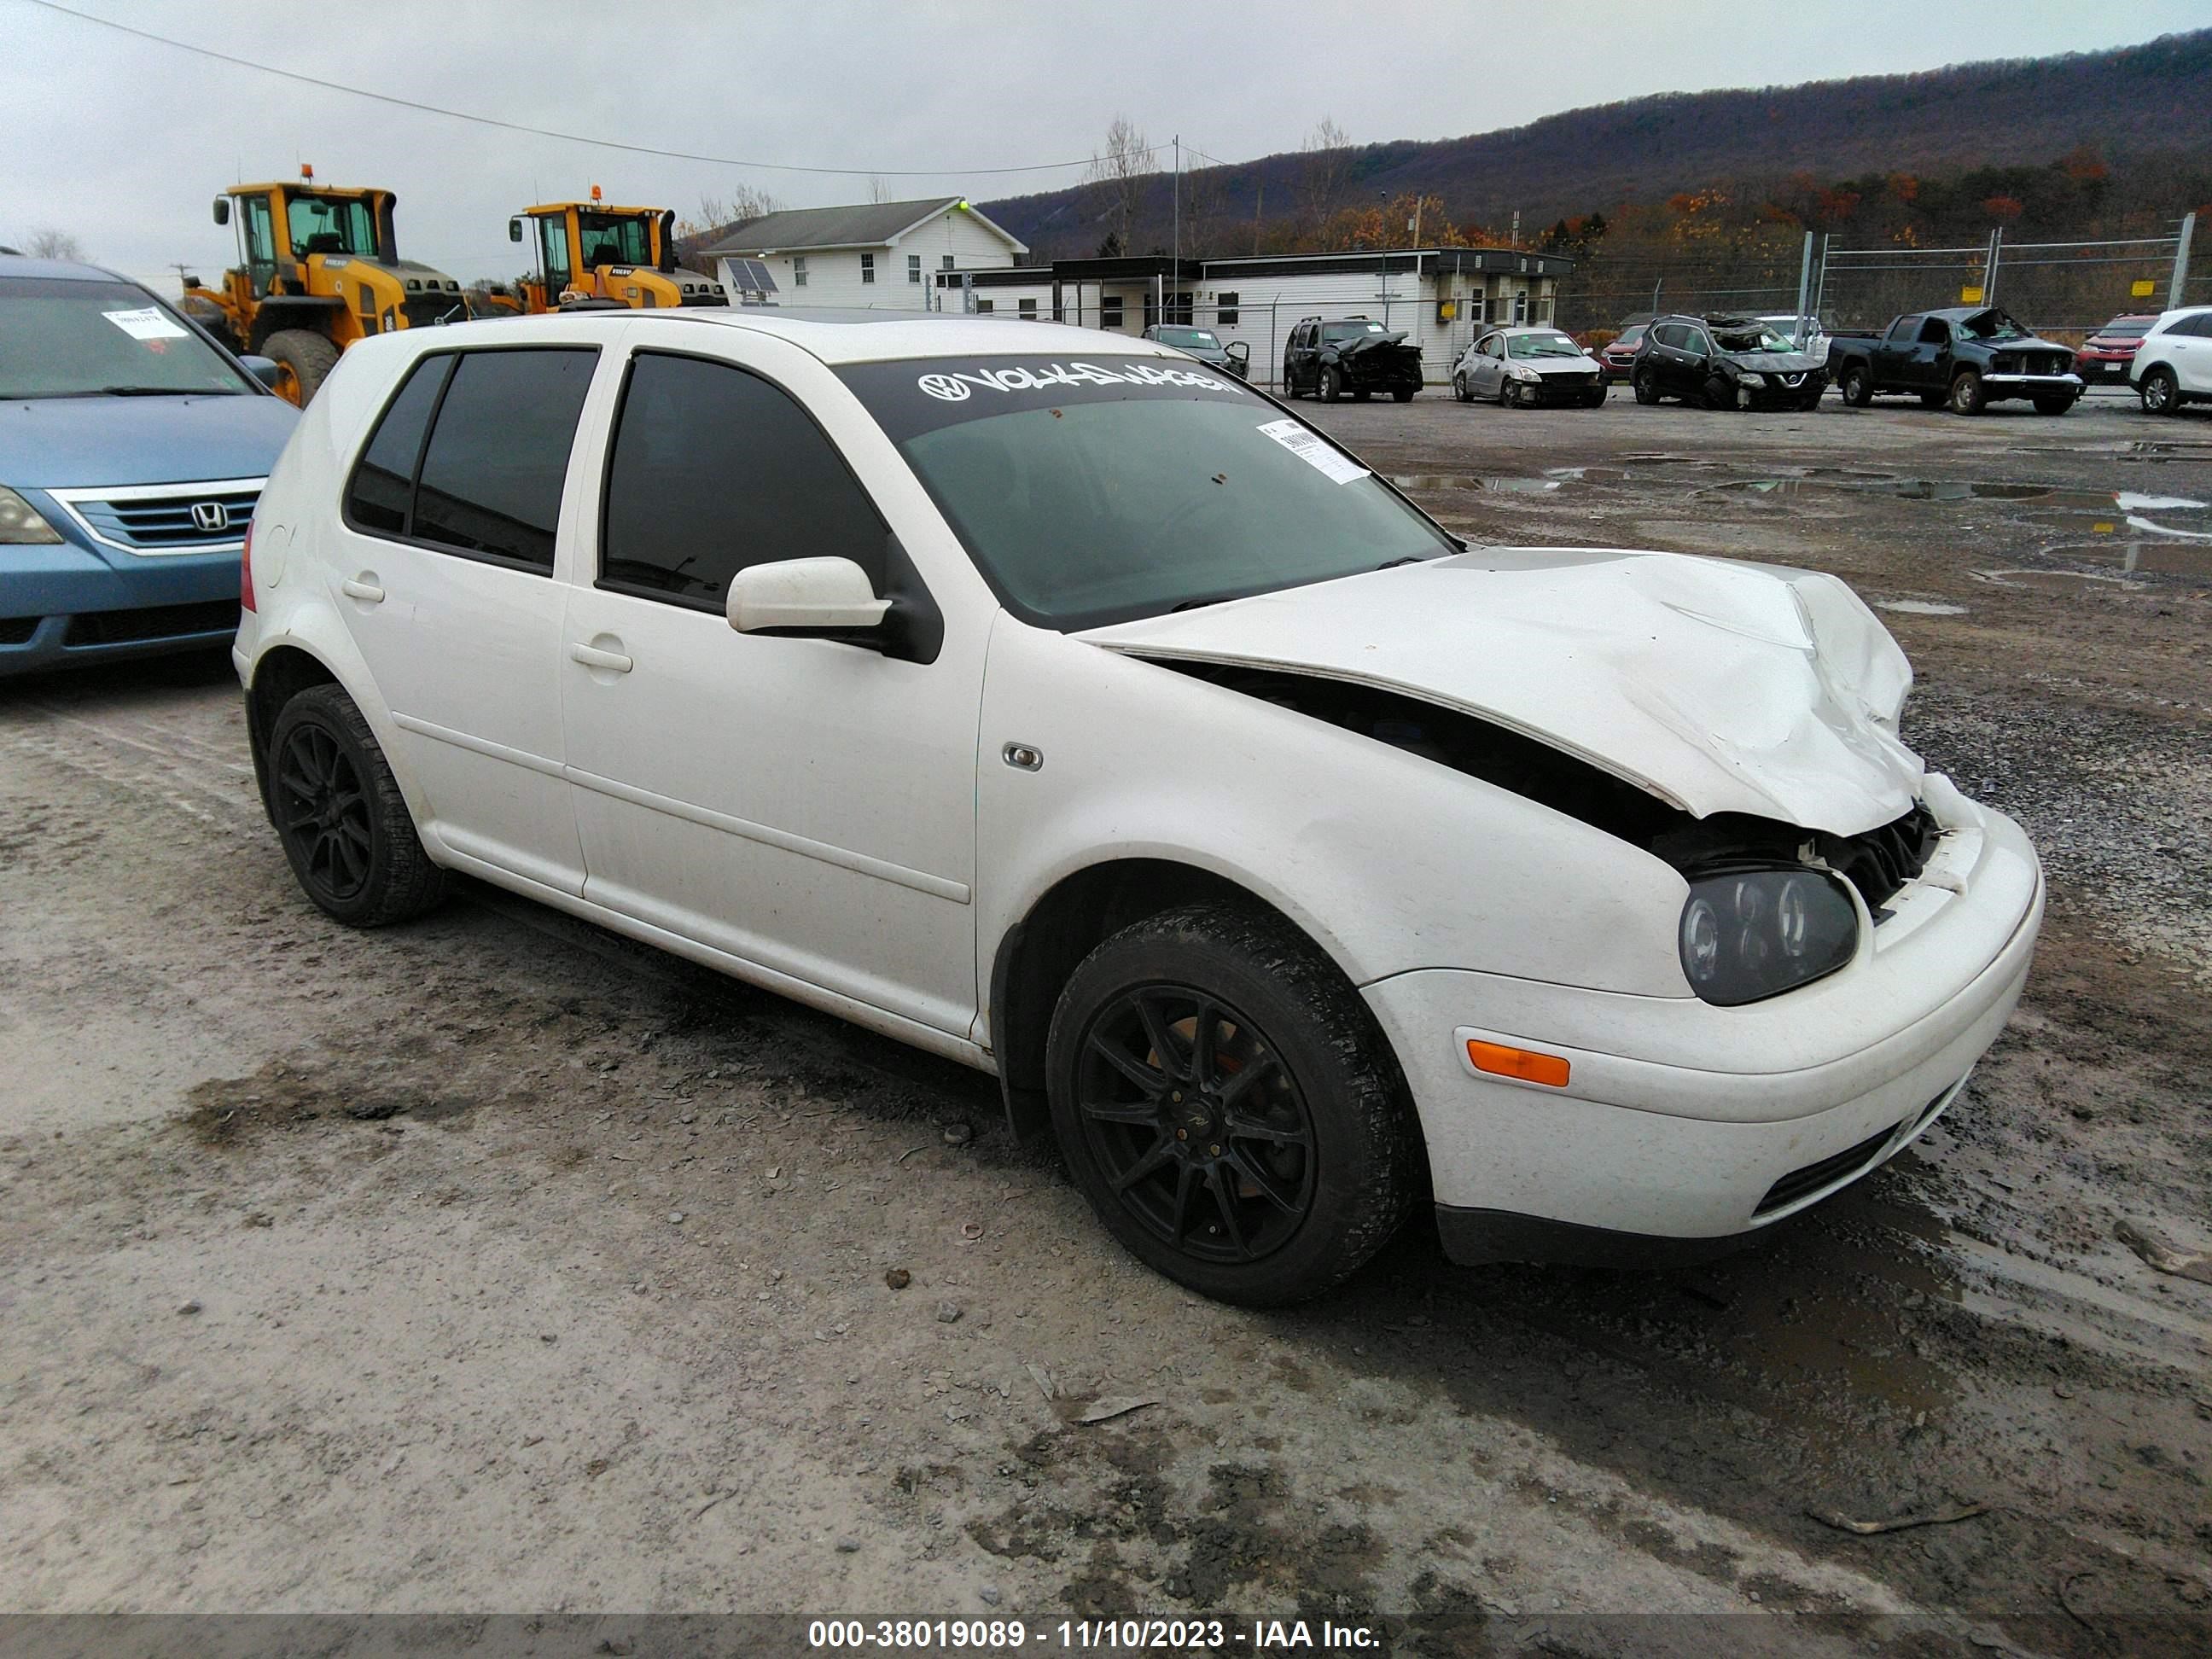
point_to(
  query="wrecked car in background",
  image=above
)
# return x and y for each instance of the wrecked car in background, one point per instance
(1725, 362)
(1354, 355)
(1962, 358)
(1527, 367)
(1203, 343)
(1080, 715)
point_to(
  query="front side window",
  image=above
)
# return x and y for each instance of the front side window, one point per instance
(553, 242)
(798, 270)
(487, 482)
(716, 469)
(63, 338)
(1092, 492)
(867, 267)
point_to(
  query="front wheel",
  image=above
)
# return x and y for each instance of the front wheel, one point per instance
(1966, 396)
(304, 359)
(1332, 386)
(1228, 1106)
(2161, 392)
(345, 825)
(1858, 387)
(1459, 389)
(1646, 386)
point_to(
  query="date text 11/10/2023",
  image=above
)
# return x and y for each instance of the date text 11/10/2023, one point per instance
(1258, 1636)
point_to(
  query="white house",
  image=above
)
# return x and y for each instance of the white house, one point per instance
(885, 255)
(1442, 297)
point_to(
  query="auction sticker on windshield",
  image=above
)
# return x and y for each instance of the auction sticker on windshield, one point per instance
(1311, 448)
(146, 323)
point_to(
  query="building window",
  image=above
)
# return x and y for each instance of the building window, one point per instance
(914, 267)
(1029, 307)
(1224, 310)
(1109, 311)
(986, 304)
(798, 270)
(867, 267)
(1520, 305)
(944, 264)
(1475, 304)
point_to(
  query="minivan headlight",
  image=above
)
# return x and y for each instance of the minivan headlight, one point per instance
(1753, 933)
(22, 525)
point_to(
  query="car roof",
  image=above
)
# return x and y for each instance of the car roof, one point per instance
(869, 337)
(22, 264)
(1527, 328)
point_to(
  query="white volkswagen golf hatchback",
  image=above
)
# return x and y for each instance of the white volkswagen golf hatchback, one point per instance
(1042, 699)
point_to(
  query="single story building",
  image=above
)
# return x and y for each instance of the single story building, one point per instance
(1441, 298)
(883, 255)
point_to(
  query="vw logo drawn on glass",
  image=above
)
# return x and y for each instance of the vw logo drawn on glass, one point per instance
(948, 387)
(210, 516)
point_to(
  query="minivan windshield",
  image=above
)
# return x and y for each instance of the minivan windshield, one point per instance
(63, 337)
(1095, 491)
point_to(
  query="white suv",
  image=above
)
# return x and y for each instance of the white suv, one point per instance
(2173, 365)
(1046, 701)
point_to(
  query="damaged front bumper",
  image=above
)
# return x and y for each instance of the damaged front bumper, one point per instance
(1685, 1128)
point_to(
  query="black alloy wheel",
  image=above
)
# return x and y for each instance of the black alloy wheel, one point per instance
(322, 811)
(1646, 384)
(1202, 1133)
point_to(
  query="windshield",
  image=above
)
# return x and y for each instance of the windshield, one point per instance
(1190, 339)
(1757, 337)
(1633, 334)
(1349, 331)
(330, 224)
(1992, 325)
(1088, 493)
(2125, 328)
(1541, 345)
(611, 240)
(64, 338)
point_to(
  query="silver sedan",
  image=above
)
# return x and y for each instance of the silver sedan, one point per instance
(1524, 368)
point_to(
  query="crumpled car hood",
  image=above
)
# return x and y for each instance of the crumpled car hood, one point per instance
(1775, 362)
(1718, 687)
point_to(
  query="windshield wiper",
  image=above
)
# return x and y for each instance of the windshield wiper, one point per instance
(156, 392)
(1392, 564)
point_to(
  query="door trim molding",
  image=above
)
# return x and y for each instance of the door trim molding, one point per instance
(522, 757)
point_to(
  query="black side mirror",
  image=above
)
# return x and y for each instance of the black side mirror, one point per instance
(222, 210)
(514, 230)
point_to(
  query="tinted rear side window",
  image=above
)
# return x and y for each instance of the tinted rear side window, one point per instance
(383, 486)
(491, 479)
(716, 469)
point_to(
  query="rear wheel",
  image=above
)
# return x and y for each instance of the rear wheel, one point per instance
(339, 811)
(1645, 385)
(304, 359)
(1229, 1107)
(1858, 386)
(1459, 389)
(2160, 391)
(1966, 396)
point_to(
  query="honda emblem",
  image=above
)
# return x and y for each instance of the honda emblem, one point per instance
(207, 516)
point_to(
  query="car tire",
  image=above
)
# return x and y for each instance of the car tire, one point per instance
(1595, 399)
(2057, 404)
(1965, 397)
(1459, 389)
(1858, 387)
(1317, 1161)
(1332, 386)
(1809, 401)
(1289, 386)
(1403, 394)
(304, 359)
(2161, 392)
(343, 824)
(1645, 385)
(1717, 394)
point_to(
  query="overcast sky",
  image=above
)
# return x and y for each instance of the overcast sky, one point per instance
(123, 142)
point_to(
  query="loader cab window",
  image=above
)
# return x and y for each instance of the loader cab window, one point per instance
(259, 228)
(327, 224)
(609, 239)
(553, 245)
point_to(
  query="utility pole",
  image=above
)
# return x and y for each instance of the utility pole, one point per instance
(2180, 279)
(1383, 197)
(1178, 210)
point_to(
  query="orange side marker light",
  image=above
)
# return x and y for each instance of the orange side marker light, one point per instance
(1522, 1063)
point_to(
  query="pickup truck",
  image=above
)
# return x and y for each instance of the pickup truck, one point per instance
(1965, 358)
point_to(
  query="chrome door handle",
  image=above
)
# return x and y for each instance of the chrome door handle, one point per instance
(591, 657)
(367, 592)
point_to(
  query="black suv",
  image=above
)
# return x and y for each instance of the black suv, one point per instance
(1725, 362)
(1349, 353)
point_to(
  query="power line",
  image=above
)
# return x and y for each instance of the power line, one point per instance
(548, 132)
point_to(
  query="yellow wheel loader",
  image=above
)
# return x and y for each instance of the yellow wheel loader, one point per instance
(318, 268)
(593, 256)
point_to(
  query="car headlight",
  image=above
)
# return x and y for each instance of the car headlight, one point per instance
(1750, 379)
(22, 525)
(1519, 372)
(1753, 933)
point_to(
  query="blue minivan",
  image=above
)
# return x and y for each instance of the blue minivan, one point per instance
(132, 451)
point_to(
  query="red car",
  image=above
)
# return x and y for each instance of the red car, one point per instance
(2106, 356)
(1619, 357)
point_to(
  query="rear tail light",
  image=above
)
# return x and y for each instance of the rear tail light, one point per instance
(246, 571)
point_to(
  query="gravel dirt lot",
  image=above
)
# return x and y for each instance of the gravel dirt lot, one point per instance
(492, 1263)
